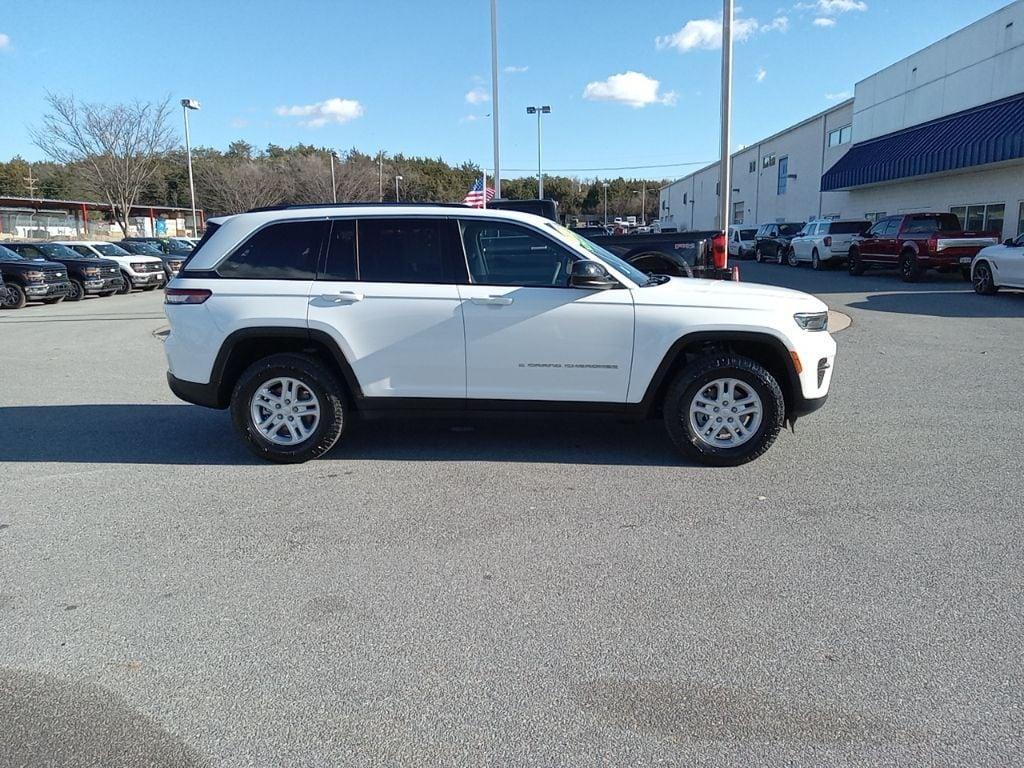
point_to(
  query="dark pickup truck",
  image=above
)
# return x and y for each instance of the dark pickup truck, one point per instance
(26, 280)
(86, 274)
(917, 242)
(678, 254)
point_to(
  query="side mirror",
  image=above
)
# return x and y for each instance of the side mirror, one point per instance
(1008, 242)
(590, 274)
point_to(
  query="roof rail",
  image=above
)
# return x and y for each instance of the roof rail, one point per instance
(368, 204)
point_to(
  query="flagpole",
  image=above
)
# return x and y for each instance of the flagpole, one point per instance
(484, 172)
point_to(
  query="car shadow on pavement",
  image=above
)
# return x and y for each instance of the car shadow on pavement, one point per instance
(944, 304)
(184, 434)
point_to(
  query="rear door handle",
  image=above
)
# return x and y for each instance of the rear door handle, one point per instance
(494, 301)
(342, 297)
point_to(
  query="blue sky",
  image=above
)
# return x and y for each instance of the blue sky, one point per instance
(414, 77)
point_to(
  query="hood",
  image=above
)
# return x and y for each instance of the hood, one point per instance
(686, 291)
(35, 265)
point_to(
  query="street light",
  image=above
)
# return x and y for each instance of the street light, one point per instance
(494, 98)
(186, 105)
(725, 169)
(398, 178)
(334, 186)
(643, 203)
(605, 185)
(538, 111)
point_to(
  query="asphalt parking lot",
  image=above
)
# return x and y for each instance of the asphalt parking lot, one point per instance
(541, 591)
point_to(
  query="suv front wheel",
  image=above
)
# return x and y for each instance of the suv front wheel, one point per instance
(288, 408)
(724, 410)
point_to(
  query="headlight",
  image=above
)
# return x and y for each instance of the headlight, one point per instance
(139, 267)
(812, 321)
(34, 277)
(91, 271)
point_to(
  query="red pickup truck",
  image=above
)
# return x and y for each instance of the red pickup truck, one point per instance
(917, 242)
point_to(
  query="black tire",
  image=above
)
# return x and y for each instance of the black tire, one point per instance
(127, 287)
(313, 375)
(982, 280)
(910, 270)
(758, 255)
(854, 265)
(815, 260)
(14, 298)
(695, 379)
(791, 257)
(77, 292)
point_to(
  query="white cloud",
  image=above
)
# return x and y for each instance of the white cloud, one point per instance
(323, 112)
(762, 73)
(833, 7)
(5, 41)
(512, 70)
(239, 122)
(839, 96)
(477, 95)
(633, 88)
(470, 118)
(824, 21)
(706, 34)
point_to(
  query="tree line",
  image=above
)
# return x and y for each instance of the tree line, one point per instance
(126, 154)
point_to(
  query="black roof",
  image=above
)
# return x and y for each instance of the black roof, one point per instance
(373, 204)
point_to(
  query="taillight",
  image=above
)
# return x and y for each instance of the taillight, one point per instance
(186, 295)
(828, 241)
(933, 244)
(719, 251)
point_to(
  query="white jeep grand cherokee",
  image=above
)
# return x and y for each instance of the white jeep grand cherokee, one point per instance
(296, 317)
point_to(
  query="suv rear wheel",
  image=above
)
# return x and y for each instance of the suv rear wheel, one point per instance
(815, 260)
(288, 408)
(724, 410)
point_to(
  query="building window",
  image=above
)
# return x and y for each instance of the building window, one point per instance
(874, 216)
(737, 213)
(768, 160)
(980, 218)
(783, 175)
(685, 197)
(753, 166)
(840, 136)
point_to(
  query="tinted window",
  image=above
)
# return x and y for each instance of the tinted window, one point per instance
(848, 227)
(401, 251)
(285, 251)
(507, 254)
(28, 252)
(341, 251)
(747, 234)
(8, 255)
(790, 229)
(921, 225)
(892, 227)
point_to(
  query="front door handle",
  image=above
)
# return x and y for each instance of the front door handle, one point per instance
(342, 297)
(494, 301)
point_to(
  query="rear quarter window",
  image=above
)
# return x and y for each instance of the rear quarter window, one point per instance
(288, 250)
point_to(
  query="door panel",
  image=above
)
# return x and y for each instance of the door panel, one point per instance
(533, 343)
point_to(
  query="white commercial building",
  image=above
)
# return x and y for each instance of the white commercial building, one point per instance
(941, 130)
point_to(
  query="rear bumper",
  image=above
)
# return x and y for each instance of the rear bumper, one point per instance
(945, 260)
(205, 395)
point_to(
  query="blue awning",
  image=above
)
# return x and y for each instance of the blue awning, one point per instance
(991, 133)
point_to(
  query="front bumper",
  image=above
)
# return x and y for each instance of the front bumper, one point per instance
(103, 284)
(148, 278)
(47, 290)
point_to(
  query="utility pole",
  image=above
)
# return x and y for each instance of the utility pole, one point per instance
(186, 105)
(334, 186)
(30, 182)
(380, 176)
(494, 98)
(605, 185)
(725, 169)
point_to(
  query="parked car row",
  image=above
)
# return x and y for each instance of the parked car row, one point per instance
(913, 243)
(73, 269)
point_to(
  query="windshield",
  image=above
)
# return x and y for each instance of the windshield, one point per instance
(54, 250)
(181, 245)
(606, 256)
(6, 254)
(147, 249)
(748, 234)
(109, 249)
(790, 229)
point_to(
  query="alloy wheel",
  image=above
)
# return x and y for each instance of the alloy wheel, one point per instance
(983, 282)
(285, 411)
(726, 413)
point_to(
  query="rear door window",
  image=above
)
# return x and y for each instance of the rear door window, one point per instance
(341, 252)
(403, 251)
(848, 227)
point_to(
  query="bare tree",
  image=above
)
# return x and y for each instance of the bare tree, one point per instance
(230, 186)
(309, 178)
(118, 145)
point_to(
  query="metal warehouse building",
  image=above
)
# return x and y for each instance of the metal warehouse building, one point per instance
(941, 130)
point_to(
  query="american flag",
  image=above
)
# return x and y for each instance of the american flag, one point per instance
(475, 196)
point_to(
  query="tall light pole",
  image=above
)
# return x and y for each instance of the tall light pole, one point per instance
(605, 185)
(538, 111)
(186, 105)
(643, 203)
(380, 176)
(494, 97)
(725, 169)
(398, 178)
(334, 186)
